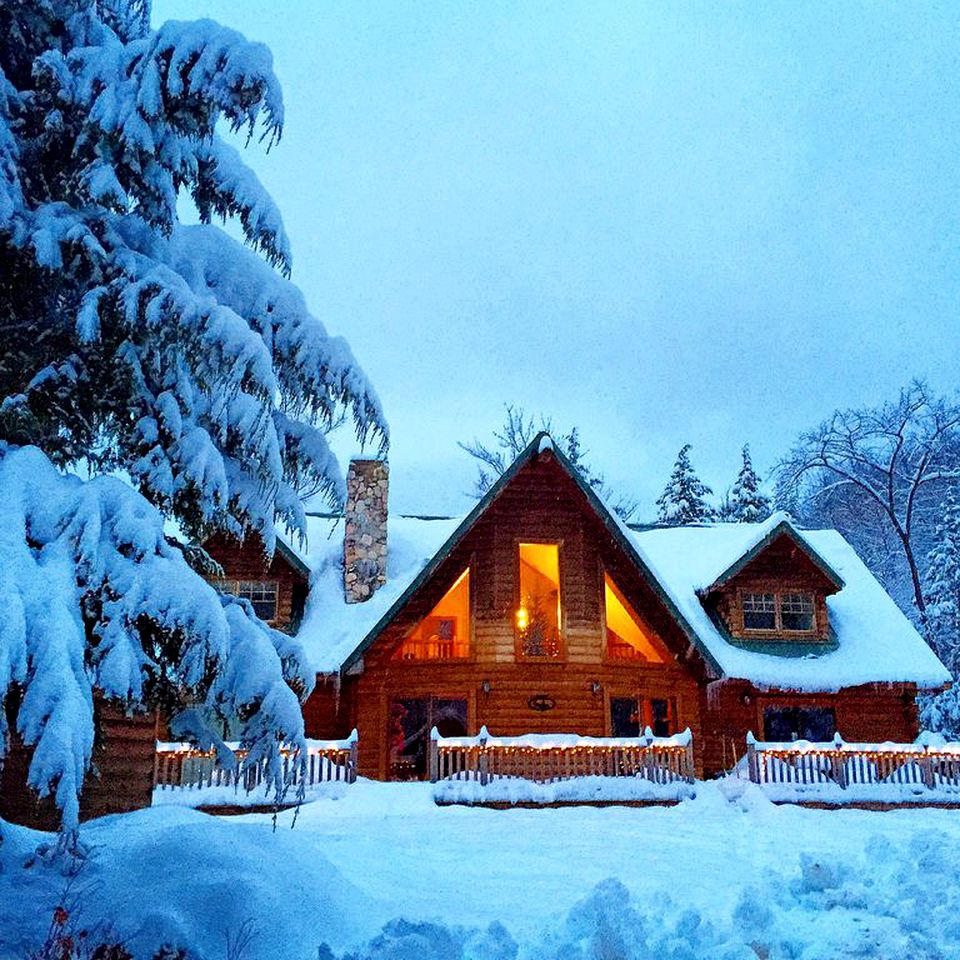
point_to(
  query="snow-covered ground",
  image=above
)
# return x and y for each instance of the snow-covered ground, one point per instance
(706, 878)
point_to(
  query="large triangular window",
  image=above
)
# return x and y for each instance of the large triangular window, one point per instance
(628, 638)
(444, 634)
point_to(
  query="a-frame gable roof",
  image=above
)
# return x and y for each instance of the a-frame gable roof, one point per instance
(777, 526)
(541, 445)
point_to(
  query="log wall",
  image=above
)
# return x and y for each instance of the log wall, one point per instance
(540, 505)
(120, 780)
(872, 713)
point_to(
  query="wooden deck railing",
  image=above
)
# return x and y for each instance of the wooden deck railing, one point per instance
(179, 765)
(546, 758)
(850, 764)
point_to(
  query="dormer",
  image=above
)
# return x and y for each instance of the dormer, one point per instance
(776, 592)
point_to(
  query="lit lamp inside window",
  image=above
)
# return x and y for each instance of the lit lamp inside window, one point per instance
(523, 618)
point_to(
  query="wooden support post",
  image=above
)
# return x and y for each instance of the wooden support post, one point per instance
(434, 758)
(352, 763)
(753, 766)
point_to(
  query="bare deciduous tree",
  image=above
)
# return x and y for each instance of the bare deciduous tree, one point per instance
(882, 461)
(518, 430)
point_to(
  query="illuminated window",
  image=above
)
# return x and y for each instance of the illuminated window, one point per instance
(759, 611)
(796, 611)
(627, 638)
(261, 593)
(444, 634)
(538, 616)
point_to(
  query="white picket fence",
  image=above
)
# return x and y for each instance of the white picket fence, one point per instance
(855, 767)
(180, 766)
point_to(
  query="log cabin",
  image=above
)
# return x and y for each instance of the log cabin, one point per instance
(541, 612)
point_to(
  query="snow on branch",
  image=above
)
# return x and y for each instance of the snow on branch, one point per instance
(97, 601)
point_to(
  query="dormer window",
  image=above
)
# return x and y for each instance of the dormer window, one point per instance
(759, 611)
(796, 612)
(778, 612)
(262, 594)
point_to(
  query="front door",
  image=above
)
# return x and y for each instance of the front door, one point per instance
(408, 733)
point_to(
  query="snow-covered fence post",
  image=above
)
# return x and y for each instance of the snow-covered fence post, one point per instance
(352, 761)
(690, 766)
(753, 766)
(838, 763)
(926, 767)
(434, 755)
(483, 762)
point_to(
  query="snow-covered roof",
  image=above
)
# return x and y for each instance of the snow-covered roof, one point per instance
(874, 641)
(331, 628)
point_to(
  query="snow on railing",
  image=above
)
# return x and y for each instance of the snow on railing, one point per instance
(182, 765)
(550, 757)
(926, 763)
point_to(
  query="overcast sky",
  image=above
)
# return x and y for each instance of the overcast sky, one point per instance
(663, 222)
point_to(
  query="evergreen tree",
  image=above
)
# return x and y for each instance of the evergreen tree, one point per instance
(684, 500)
(943, 586)
(132, 342)
(747, 503)
(173, 354)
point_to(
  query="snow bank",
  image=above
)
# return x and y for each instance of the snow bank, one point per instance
(568, 741)
(237, 796)
(703, 879)
(515, 790)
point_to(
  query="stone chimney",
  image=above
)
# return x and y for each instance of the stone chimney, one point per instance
(365, 530)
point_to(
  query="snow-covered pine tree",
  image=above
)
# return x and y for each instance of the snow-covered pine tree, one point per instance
(684, 500)
(133, 342)
(943, 586)
(95, 598)
(942, 592)
(172, 353)
(747, 503)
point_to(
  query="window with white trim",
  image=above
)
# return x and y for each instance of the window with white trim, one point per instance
(778, 612)
(261, 593)
(796, 612)
(759, 611)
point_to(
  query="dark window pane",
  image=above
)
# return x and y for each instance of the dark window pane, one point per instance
(796, 611)
(781, 724)
(410, 723)
(759, 611)
(660, 714)
(624, 717)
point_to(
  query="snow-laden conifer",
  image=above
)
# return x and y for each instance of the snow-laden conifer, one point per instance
(97, 601)
(747, 503)
(684, 500)
(131, 341)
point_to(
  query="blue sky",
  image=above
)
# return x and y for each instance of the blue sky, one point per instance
(664, 222)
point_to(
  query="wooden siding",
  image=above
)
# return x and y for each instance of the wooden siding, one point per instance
(542, 504)
(871, 713)
(783, 567)
(121, 778)
(245, 560)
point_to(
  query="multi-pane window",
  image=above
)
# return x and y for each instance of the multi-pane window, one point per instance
(630, 716)
(796, 611)
(261, 593)
(779, 613)
(759, 611)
